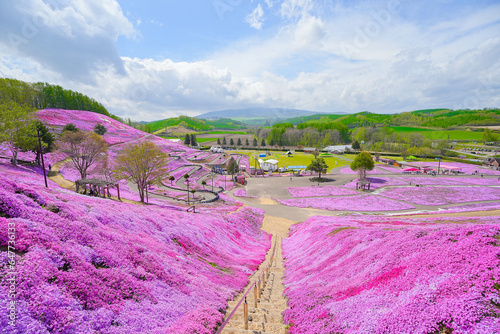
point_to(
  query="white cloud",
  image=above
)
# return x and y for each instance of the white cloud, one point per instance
(73, 37)
(296, 8)
(256, 18)
(399, 65)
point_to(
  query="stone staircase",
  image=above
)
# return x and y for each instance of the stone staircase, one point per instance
(266, 318)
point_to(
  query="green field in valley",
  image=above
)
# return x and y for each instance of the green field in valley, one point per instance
(225, 133)
(298, 159)
(441, 134)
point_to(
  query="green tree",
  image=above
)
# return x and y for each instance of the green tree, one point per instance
(238, 143)
(100, 129)
(218, 141)
(193, 140)
(70, 127)
(85, 149)
(489, 136)
(46, 138)
(247, 143)
(187, 140)
(17, 128)
(172, 179)
(356, 145)
(254, 143)
(224, 141)
(318, 165)
(203, 183)
(143, 163)
(362, 162)
(263, 142)
(231, 142)
(232, 167)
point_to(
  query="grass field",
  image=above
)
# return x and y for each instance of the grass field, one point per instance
(408, 129)
(225, 132)
(441, 134)
(299, 159)
(453, 135)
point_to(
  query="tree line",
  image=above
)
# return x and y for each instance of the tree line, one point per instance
(42, 95)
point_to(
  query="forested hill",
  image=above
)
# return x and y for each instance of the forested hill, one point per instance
(193, 124)
(42, 95)
(436, 118)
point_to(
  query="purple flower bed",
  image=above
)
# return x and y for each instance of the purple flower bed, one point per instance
(314, 191)
(378, 182)
(242, 193)
(94, 265)
(351, 276)
(442, 195)
(466, 168)
(348, 170)
(431, 180)
(389, 169)
(349, 203)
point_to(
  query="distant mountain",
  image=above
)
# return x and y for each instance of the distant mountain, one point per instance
(267, 113)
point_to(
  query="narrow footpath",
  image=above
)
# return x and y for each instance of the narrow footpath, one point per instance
(265, 311)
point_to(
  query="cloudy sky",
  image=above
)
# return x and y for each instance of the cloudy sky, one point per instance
(153, 59)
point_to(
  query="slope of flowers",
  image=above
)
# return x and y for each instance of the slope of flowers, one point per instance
(319, 191)
(378, 182)
(116, 132)
(90, 265)
(348, 170)
(380, 275)
(367, 203)
(443, 195)
(466, 168)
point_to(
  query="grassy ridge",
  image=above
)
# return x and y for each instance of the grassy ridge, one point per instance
(195, 124)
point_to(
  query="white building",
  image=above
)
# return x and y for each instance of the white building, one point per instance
(338, 149)
(268, 165)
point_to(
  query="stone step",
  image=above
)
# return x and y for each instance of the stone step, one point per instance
(242, 331)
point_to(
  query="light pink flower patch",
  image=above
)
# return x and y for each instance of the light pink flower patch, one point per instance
(381, 275)
(315, 191)
(348, 203)
(430, 195)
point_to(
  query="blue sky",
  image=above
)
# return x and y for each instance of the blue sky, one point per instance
(154, 59)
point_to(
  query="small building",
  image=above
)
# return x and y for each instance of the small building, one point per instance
(240, 178)
(309, 149)
(492, 162)
(387, 161)
(269, 165)
(338, 149)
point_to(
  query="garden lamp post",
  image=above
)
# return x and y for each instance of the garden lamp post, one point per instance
(187, 180)
(41, 154)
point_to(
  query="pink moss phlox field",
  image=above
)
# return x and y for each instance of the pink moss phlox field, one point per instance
(117, 132)
(348, 170)
(388, 275)
(242, 193)
(466, 168)
(378, 182)
(387, 168)
(367, 203)
(91, 265)
(431, 195)
(315, 191)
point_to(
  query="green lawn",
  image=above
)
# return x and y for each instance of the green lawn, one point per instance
(408, 129)
(225, 133)
(299, 159)
(441, 134)
(453, 135)
(203, 140)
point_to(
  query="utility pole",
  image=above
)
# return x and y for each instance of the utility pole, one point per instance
(43, 162)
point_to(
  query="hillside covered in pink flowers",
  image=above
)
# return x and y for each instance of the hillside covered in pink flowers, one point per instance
(91, 265)
(386, 275)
